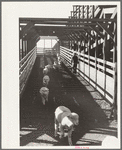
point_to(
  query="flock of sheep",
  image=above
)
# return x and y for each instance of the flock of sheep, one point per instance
(65, 120)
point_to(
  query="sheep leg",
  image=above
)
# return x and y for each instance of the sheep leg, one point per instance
(61, 132)
(56, 126)
(43, 100)
(70, 136)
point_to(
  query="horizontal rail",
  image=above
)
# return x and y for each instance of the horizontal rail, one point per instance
(26, 67)
(23, 60)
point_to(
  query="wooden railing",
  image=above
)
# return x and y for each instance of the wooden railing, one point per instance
(26, 65)
(46, 51)
(100, 74)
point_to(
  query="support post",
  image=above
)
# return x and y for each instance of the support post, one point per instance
(51, 43)
(22, 49)
(104, 61)
(84, 59)
(115, 68)
(89, 55)
(96, 49)
(44, 45)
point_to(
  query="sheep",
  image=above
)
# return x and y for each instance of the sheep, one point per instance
(65, 119)
(110, 142)
(46, 80)
(44, 91)
(49, 67)
(45, 71)
(56, 65)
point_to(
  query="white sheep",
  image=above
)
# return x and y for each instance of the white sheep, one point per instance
(46, 80)
(56, 65)
(44, 94)
(110, 142)
(49, 67)
(45, 71)
(65, 119)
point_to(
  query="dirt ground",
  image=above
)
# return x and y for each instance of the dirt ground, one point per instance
(67, 89)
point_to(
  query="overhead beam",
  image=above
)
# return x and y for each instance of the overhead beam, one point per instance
(80, 24)
(25, 20)
(104, 27)
(26, 29)
(73, 34)
(83, 36)
(73, 37)
(63, 23)
(60, 27)
(78, 35)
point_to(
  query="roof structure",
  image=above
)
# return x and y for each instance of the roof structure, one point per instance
(83, 20)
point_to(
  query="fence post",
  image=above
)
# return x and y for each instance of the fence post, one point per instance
(96, 49)
(89, 55)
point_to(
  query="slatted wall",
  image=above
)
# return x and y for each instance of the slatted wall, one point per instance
(26, 65)
(99, 73)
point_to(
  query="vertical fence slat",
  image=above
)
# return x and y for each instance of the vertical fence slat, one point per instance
(96, 49)
(114, 69)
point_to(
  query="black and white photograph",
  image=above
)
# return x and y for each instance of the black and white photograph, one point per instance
(61, 74)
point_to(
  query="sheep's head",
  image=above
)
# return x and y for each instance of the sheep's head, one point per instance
(75, 118)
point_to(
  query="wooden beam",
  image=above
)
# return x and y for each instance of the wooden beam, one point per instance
(60, 28)
(114, 14)
(61, 23)
(104, 27)
(26, 20)
(26, 29)
(83, 36)
(89, 55)
(89, 34)
(37, 39)
(67, 37)
(97, 31)
(96, 52)
(75, 34)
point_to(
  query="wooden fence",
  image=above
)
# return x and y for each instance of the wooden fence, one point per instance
(100, 74)
(46, 51)
(25, 67)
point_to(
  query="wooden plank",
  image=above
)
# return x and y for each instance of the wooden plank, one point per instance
(60, 28)
(66, 50)
(107, 70)
(67, 53)
(89, 55)
(60, 23)
(109, 10)
(97, 11)
(96, 49)
(104, 59)
(26, 56)
(114, 13)
(83, 36)
(92, 63)
(26, 20)
(84, 61)
(110, 64)
(115, 69)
